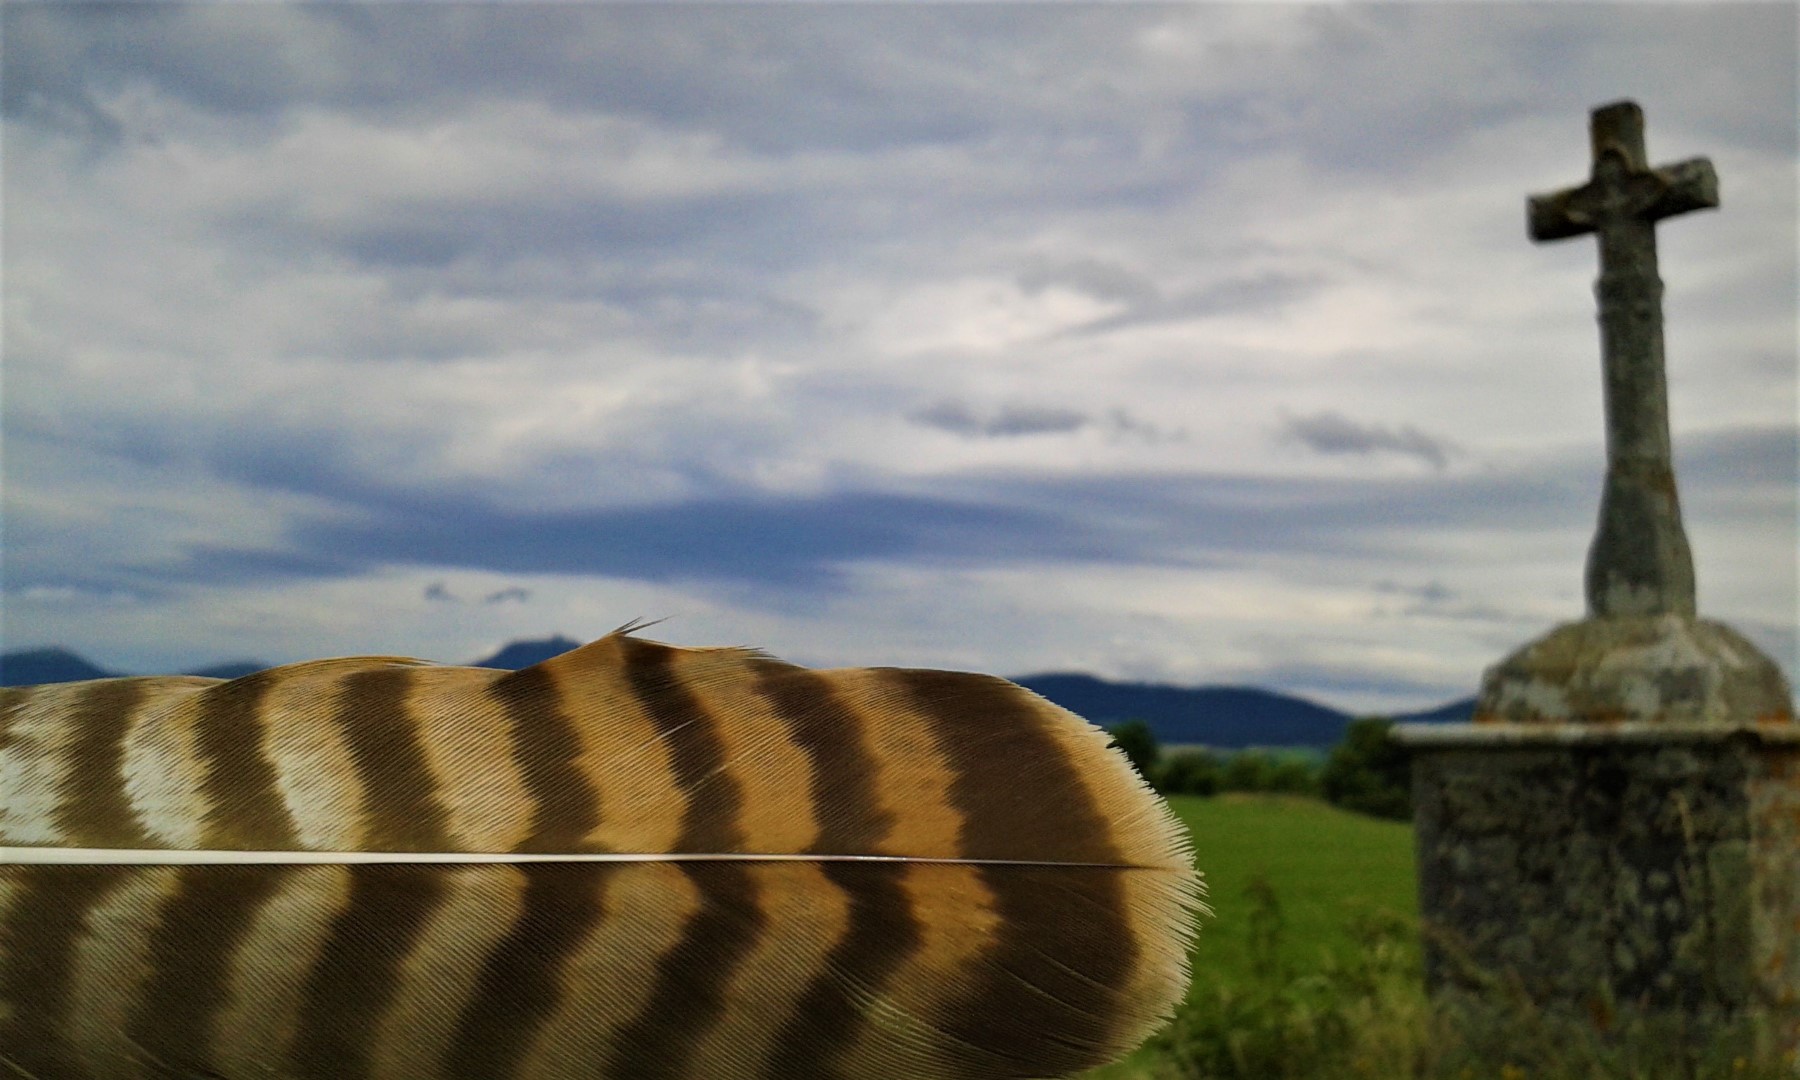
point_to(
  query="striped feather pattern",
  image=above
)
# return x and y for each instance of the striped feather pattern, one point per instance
(1029, 917)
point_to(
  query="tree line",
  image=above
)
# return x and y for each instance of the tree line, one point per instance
(1365, 772)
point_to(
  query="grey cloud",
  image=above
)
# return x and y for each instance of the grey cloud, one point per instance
(1011, 421)
(1414, 93)
(255, 60)
(776, 85)
(439, 592)
(218, 564)
(782, 551)
(1763, 457)
(1436, 600)
(1122, 424)
(1008, 421)
(799, 544)
(1350, 84)
(1257, 294)
(1430, 592)
(775, 77)
(1334, 433)
(1099, 279)
(874, 146)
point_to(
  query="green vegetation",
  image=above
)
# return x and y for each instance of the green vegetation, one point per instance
(1368, 772)
(1190, 772)
(1329, 868)
(1259, 770)
(1311, 969)
(1138, 743)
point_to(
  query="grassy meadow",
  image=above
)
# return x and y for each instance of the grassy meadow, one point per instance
(1328, 870)
(1310, 968)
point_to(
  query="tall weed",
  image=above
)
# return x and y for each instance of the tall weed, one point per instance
(1368, 1018)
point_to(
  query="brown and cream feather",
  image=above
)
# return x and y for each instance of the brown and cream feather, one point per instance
(633, 861)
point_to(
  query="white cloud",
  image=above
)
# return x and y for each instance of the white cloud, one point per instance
(274, 266)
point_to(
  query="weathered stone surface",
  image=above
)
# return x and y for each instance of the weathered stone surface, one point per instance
(1639, 563)
(1646, 669)
(1621, 822)
(1588, 869)
(1774, 888)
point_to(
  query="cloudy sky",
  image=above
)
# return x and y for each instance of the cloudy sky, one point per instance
(1193, 343)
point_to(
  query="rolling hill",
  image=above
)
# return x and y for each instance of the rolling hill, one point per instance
(29, 666)
(1227, 717)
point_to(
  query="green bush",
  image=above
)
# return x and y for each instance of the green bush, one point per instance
(1258, 770)
(1359, 1019)
(1368, 772)
(1135, 738)
(1190, 772)
(1248, 770)
(1293, 776)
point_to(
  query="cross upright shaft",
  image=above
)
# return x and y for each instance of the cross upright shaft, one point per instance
(1639, 563)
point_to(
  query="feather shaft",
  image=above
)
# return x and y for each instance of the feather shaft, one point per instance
(48, 856)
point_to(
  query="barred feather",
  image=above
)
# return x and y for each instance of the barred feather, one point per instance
(1026, 911)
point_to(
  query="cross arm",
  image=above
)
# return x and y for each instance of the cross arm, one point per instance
(1649, 195)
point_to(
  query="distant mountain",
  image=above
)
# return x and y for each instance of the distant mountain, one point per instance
(29, 666)
(231, 669)
(1221, 716)
(523, 654)
(1228, 717)
(1457, 712)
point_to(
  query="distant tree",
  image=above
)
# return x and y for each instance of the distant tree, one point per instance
(1138, 742)
(1293, 776)
(1189, 772)
(1259, 770)
(1368, 772)
(1248, 770)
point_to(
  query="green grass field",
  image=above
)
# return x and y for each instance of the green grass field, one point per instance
(1328, 869)
(1309, 970)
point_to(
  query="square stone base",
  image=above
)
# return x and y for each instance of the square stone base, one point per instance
(1646, 866)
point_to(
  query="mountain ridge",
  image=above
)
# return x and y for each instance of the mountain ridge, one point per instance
(1226, 717)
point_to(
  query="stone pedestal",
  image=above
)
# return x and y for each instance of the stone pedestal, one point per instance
(1659, 669)
(1620, 823)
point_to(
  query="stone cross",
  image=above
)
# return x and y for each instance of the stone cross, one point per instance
(1639, 563)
